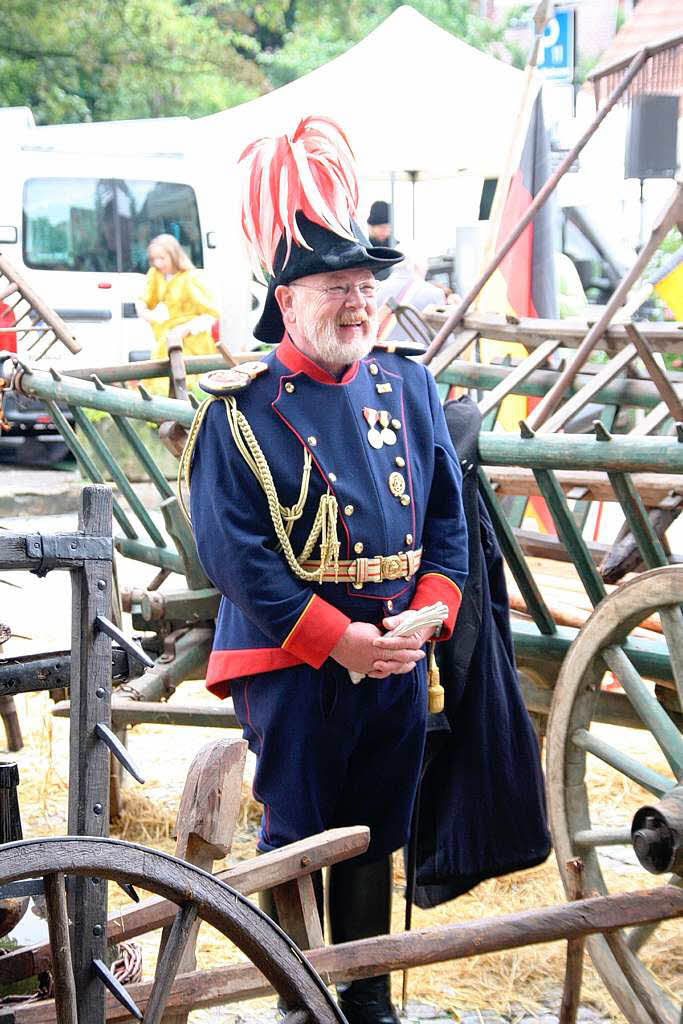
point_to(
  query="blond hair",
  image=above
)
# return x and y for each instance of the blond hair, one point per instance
(172, 248)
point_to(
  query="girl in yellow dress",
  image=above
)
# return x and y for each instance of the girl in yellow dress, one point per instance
(176, 303)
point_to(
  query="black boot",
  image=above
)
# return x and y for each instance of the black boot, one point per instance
(360, 907)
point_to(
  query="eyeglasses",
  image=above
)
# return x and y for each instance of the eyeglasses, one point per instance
(367, 289)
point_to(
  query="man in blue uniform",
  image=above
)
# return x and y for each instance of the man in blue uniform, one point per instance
(325, 497)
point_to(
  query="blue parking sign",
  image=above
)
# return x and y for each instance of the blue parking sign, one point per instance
(557, 60)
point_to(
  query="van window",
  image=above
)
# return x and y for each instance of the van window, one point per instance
(105, 224)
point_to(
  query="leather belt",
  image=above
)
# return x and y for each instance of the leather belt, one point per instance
(369, 570)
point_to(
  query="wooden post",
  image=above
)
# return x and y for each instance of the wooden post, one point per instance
(205, 826)
(88, 812)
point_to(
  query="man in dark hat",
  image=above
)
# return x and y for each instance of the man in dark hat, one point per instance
(325, 496)
(380, 228)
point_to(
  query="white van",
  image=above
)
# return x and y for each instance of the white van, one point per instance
(79, 205)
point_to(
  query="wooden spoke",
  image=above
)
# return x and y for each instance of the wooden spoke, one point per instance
(648, 707)
(62, 968)
(628, 766)
(593, 837)
(168, 963)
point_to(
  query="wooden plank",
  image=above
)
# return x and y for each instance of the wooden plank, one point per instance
(539, 356)
(263, 872)
(650, 423)
(370, 957)
(88, 810)
(657, 374)
(582, 398)
(461, 341)
(297, 912)
(134, 712)
(533, 331)
(653, 488)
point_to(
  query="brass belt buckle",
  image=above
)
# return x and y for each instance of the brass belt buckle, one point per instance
(391, 567)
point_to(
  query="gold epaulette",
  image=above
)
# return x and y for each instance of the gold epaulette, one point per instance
(233, 378)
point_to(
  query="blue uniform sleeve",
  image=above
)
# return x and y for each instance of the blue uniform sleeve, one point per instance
(236, 544)
(444, 566)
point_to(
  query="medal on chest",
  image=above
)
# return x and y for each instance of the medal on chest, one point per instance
(374, 435)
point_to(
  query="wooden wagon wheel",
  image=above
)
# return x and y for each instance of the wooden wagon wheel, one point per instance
(577, 822)
(197, 894)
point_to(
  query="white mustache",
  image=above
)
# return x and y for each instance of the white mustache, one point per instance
(352, 318)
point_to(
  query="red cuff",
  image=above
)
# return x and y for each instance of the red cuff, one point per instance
(317, 632)
(433, 587)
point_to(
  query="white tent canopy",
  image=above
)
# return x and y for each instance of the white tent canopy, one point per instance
(437, 106)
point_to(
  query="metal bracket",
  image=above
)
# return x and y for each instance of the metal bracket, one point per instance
(116, 988)
(104, 625)
(117, 748)
(62, 550)
(129, 891)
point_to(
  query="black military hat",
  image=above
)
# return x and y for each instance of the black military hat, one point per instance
(328, 252)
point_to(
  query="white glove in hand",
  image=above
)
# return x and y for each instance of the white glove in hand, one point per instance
(432, 616)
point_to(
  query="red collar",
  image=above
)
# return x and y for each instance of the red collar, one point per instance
(295, 360)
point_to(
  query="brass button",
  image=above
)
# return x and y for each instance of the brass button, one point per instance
(390, 605)
(332, 477)
(405, 499)
(358, 547)
(373, 369)
(348, 510)
(409, 538)
(289, 388)
(400, 461)
(396, 424)
(312, 441)
(397, 484)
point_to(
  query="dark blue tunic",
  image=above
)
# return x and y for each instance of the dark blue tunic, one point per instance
(330, 753)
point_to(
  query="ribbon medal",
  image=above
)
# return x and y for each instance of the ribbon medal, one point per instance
(374, 435)
(388, 436)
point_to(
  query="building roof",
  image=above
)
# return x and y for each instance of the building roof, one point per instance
(650, 22)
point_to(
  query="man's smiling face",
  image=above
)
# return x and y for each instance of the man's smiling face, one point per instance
(331, 317)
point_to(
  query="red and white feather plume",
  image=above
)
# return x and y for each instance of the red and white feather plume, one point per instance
(313, 171)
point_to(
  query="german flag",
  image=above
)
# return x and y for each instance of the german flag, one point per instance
(528, 271)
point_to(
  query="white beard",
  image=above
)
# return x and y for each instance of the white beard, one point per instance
(322, 337)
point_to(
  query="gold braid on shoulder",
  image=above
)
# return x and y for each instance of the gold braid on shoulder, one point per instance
(283, 516)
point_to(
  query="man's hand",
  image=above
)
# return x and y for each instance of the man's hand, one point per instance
(363, 648)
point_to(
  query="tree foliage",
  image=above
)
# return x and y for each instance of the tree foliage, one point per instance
(76, 60)
(322, 30)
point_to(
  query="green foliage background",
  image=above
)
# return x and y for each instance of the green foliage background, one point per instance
(80, 60)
